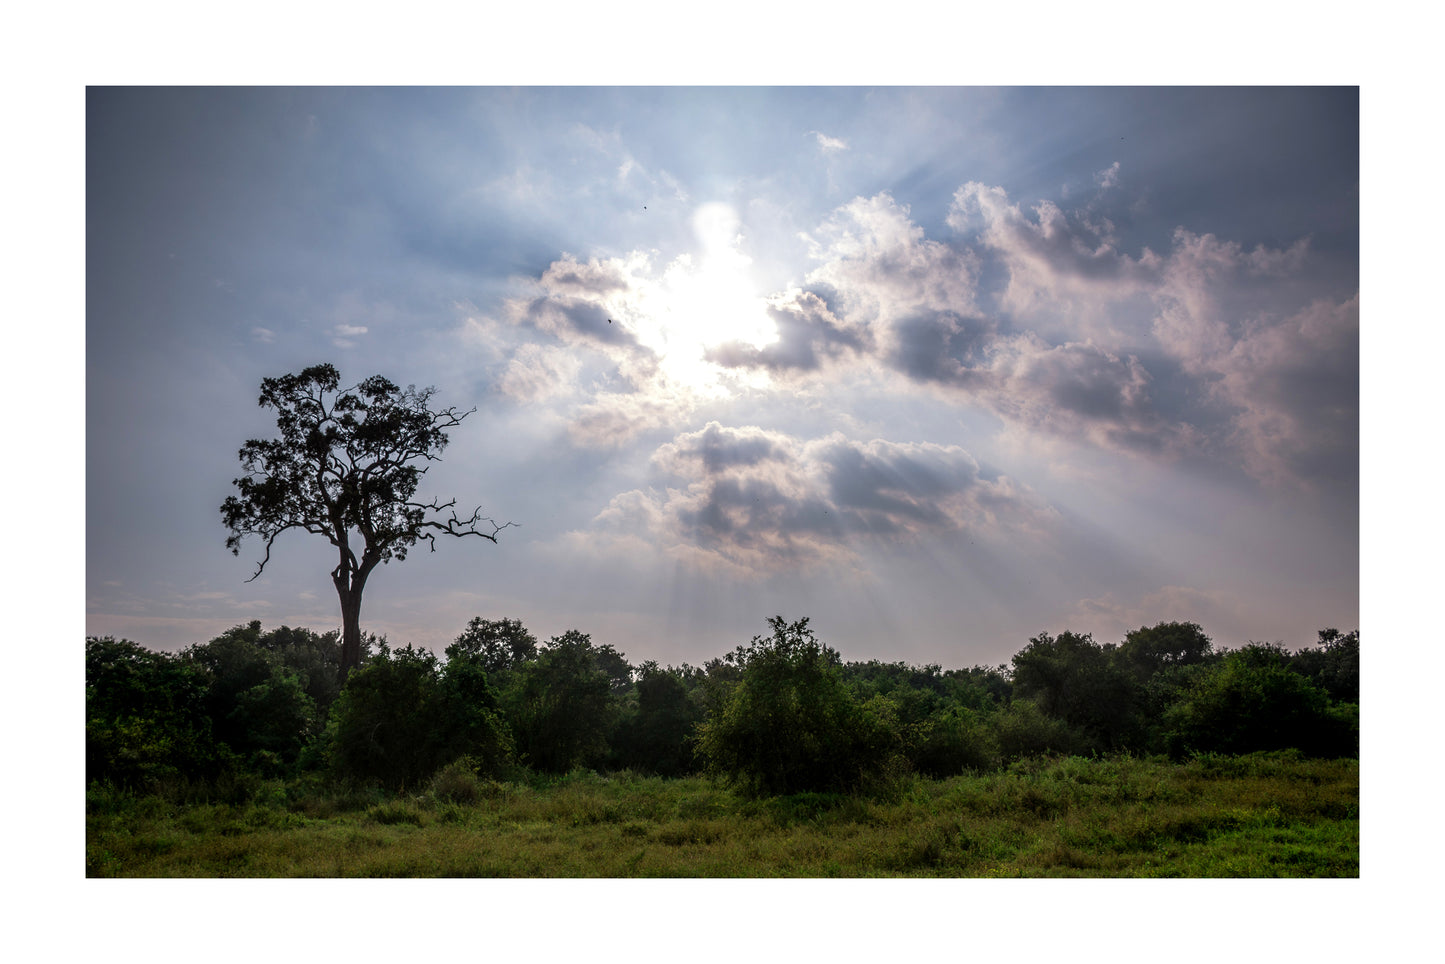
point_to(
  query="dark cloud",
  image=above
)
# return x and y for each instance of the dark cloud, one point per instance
(941, 347)
(573, 319)
(718, 450)
(758, 501)
(886, 489)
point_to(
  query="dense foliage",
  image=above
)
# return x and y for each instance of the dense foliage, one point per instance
(783, 714)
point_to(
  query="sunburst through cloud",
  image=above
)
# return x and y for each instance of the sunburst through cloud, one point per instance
(1083, 362)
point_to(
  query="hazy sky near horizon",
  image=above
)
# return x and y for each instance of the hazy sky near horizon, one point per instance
(939, 368)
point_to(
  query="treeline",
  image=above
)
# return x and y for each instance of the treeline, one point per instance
(781, 714)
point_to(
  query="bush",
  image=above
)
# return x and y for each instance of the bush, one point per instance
(458, 782)
(954, 741)
(560, 705)
(1022, 730)
(146, 721)
(1253, 701)
(791, 724)
(657, 736)
(398, 720)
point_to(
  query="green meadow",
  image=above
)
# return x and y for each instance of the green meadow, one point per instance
(1274, 814)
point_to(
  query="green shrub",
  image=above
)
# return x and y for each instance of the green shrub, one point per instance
(399, 719)
(1023, 730)
(1253, 701)
(146, 721)
(560, 705)
(954, 741)
(1091, 687)
(791, 724)
(457, 782)
(657, 736)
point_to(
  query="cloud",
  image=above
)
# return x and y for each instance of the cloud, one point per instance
(574, 300)
(1263, 383)
(751, 501)
(624, 171)
(592, 305)
(1284, 384)
(829, 145)
(536, 372)
(1296, 386)
(910, 301)
(882, 266)
(263, 335)
(887, 296)
(809, 336)
(342, 335)
(1081, 391)
(1050, 256)
(614, 418)
(1108, 177)
(1201, 351)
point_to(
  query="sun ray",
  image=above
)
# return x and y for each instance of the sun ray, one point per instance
(705, 301)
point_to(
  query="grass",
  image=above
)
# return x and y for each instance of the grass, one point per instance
(1265, 815)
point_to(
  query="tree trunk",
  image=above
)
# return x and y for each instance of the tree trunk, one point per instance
(349, 585)
(350, 630)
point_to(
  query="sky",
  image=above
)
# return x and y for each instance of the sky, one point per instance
(938, 368)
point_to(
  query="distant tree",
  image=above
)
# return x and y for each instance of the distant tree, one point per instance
(1150, 649)
(348, 461)
(560, 705)
(400, 718)
(1261, 655)
(497, 645)
(980, 687)
(656, 737)
(258, 706)
(955, 739)
(1081, 682)
(1335, 665)
(615, 667)
(1022, 729)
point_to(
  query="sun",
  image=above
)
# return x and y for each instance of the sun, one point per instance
(707, 301)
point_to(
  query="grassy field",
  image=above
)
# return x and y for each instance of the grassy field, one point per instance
(1274, 815)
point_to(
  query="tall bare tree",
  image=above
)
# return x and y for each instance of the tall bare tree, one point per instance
(347, 463)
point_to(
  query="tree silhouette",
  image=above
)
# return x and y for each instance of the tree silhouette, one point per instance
(348, 460)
